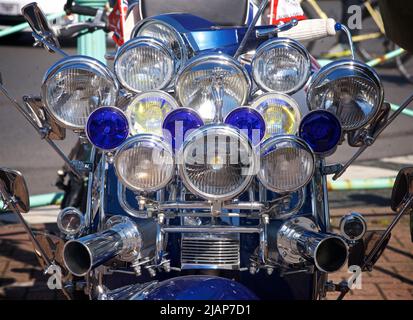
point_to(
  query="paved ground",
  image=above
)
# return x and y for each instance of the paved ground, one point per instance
(391, 279)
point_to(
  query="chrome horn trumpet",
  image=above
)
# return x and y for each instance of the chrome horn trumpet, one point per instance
(123, 238)
(299, 240)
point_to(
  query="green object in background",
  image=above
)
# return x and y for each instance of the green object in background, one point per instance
(92, 44)
(42, 200)
(24, 25)
(361, 184)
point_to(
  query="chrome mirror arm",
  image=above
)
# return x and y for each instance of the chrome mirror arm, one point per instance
(251, 27)
(343, 28)
(376, 135)
(41, 132)
(43, 40)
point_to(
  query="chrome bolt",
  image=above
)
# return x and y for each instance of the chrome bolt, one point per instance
(152, 272)
(270, 271)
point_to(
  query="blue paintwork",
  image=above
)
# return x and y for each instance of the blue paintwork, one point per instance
(200, 288)
(203, 36)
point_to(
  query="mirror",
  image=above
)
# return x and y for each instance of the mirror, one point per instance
(403, 186)
(40, 26)
(12, 184)
(41, 116)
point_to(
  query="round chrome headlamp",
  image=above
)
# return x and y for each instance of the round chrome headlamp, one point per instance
(147, 111)
(281, 113)
(286, 164)
(167, 34)
(76, 86)
(203, 80)
(281, 65)
(70, 221)
(216, 162)
(349, 89)
(143, 64)
(144, 163)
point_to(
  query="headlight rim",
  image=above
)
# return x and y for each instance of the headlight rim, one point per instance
(146, 137)
(202, 131)
(219, 58)
(281, 96)
(286, 42)
(183, 46)
(289, 138)
(150, 93)
(92, 64)
(351, 64)
(134, 43)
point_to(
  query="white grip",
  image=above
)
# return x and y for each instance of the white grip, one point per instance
(311, 29)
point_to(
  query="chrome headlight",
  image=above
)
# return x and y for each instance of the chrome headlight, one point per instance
(281, 65)
(143, 64)
(144, 163)
(287, 164)
(349, 89)
(280, 112)
(216, 162)
(74, 87)
(201, 80)
(70, 221)
(147, 111)
(167, 34)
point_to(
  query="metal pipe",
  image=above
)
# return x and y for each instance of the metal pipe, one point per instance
(211, 229)
(244, 40)
(207, 205)
(88, 213)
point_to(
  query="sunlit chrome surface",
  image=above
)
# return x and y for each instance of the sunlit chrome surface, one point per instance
(74, 87)
(164, 32)
(281, 65)
(287, 163)
(70, 221)
(143, 64)
(216, 162)
(281, 113)
(210, 80)
(144, 163)
(349, 89)
(147, 111)
(298, 240)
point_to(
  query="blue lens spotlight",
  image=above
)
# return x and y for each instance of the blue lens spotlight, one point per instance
(321, 130)
(107, 128)
(249, 121)
(177, 123)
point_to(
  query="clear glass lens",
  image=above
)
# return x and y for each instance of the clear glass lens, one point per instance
(70, 221)
(217, 165)
(280, 112)
(145, 67)
(205, 79)
(353, 100)
(163, 33)
(144, 164)
(281, 68)
(71, 95)
(286, 165)
(147, 112)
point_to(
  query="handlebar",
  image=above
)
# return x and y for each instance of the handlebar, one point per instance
(311, 29)
(71, 8)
